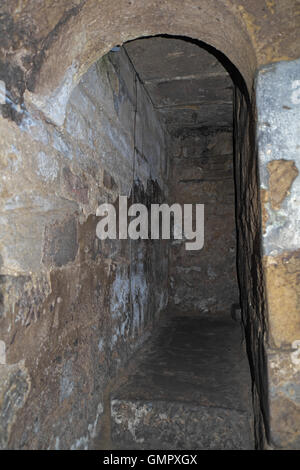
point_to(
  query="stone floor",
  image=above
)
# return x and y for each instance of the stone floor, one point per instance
(189, 388)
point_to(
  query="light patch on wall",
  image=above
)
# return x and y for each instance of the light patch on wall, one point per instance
(66, 381)
(295, 356)
(101, 345)
(60, 145)
(47, 167)
(139, 294)
(83, 441)
(54, 106)
(2, 352)
(57, 443)
(2, 92)
(14, 390)
(35, 128)
(119, 304)
(295, 97)
(278, 100)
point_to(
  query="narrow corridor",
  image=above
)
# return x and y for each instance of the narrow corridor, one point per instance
(127, 340)
(134, 336)
(189, 388)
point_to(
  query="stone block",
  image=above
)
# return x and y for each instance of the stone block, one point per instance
(284, 396)
(60, 243)
(75, 186)
(14, 389)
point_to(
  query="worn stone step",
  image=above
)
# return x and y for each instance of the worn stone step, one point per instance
(189, 388)
(172, 425)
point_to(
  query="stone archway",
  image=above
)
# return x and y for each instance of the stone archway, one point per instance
(86, 33)
(44, 54)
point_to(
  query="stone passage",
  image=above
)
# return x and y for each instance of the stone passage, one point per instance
(189, 389)
(152, 120)
(201, 171)
(166, 118)
(192, 93)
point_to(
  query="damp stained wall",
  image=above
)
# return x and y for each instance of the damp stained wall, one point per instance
(201, 172)
(74, 308)
(50, 48)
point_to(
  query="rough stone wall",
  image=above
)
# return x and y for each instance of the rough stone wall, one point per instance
(73, 308)
(45, 50)
(267, 179)
(278, 104)
(249, 257)
(201, 172)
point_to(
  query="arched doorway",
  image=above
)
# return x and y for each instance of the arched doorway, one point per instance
(50, 269)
